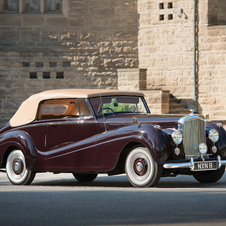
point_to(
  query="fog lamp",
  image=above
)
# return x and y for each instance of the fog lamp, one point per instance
(177, 151)
(213, 135)
(214, 149)
(203, 148)
(177, 137)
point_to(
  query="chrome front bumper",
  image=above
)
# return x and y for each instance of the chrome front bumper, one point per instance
(191, 164)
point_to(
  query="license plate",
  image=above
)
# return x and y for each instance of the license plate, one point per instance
(201, 166)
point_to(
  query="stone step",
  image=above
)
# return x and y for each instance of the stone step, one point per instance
(174, 100)
(180, 111)
(177, 106)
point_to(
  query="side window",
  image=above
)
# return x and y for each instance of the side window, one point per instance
(84, 109)
(53, 109)
(61, 108)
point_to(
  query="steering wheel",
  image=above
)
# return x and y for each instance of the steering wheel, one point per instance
(104, 109)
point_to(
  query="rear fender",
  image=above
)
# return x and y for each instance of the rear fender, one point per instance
(18, 140)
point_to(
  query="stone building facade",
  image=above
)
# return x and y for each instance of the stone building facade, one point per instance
(114, 44)
(166, 50)
(79, 47)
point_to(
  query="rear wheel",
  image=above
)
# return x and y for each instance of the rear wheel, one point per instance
(84, 177)
(141, 169)
(16, 169)
(209, 176)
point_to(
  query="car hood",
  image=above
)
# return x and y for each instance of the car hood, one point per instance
(163, 120)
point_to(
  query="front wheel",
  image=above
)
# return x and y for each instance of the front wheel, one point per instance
(209, 176)
(141, 169)
(16, 169)
(84, 177)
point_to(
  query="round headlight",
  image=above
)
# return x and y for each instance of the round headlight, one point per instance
(213, 135)
(203, 148)
(177, 137)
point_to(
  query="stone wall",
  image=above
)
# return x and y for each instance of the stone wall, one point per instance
(81, 48)
(86, 45)
(134, 79)
(166, 45)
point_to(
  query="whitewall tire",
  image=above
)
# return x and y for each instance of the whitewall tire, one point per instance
(141, 169)
(16, 169)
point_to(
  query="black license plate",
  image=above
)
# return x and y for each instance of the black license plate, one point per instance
(201, 166)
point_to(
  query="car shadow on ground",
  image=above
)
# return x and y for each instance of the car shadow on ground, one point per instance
(122, 181)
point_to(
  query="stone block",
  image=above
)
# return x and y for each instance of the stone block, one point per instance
(76, 22)
(10, 20)
(87, 36)
(30, 35)
(125, 35)
(34, 21)
(103, 13)
(131, 62)
(49, 36)
(56, 22)
(94, 61)
(11, 35)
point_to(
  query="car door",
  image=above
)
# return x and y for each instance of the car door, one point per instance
(71, 141)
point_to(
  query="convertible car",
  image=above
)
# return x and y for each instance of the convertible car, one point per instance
(87, 132)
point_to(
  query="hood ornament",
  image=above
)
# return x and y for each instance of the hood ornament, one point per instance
(135, 120)
(193, 112)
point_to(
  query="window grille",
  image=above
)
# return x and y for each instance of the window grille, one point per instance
(31, 6)
(53, 6)
(11, 5)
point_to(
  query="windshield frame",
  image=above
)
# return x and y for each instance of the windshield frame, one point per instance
(120, 112)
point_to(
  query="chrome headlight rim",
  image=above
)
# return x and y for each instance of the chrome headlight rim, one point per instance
(177, 137)
(213, 135)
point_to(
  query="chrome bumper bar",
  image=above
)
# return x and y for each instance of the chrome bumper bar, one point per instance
(191, 164)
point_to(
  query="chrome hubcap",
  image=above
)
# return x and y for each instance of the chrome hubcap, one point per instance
(18, 166)
(139, 166)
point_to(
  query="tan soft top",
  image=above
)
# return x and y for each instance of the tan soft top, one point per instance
(28, 109)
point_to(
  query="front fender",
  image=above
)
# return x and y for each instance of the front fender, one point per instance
(221, 143)
(159, 141)
(21, 140)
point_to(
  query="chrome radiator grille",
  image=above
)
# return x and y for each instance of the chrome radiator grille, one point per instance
(194, 134)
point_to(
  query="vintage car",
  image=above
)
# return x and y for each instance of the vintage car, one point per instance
(87, 132)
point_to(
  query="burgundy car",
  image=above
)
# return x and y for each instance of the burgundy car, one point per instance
(87, 132)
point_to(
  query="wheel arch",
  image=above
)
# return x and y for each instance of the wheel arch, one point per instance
(120, 166)
(6, 154)
(22, 141)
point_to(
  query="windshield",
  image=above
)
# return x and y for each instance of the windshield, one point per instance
(118, 104)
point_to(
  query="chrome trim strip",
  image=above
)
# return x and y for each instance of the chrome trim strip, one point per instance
(188, 118)
(223, 163)
(177, 165)
(53, 123)
(45, 140)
